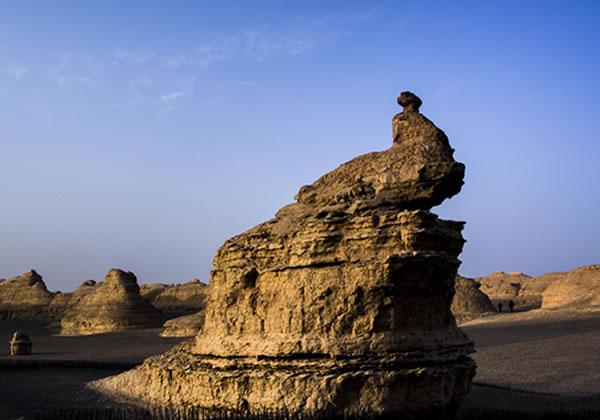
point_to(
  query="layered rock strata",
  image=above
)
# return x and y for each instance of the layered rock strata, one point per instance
(340, 304)
(469, 302)
(575, 289)
(183, 326)
(26, 297)
(114, 304)
(188, 297)
(522, 289)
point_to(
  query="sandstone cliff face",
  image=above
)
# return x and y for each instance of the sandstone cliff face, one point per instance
(191, 296)
(25, 297)
(112, 305)
(518, 287)
(469, 302)
(576, 289)
(341, 303)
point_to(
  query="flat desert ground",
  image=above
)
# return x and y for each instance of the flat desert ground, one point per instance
(536, 360)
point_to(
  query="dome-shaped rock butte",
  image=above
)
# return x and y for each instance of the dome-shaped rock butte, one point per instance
(114, 304)
(26, 297)
(339, 304)
(469, 302)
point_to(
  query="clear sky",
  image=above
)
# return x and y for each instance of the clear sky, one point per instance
(141, 135)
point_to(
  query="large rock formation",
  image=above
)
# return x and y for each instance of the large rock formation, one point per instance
(469, 302)
(341, 303)
(112, 305)
(576, 289)
(522, 289)
(188, 297)
(25, 297)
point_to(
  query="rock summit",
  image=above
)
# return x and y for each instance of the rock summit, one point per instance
(114, 304)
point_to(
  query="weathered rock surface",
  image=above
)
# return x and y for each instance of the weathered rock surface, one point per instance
(576, 289)
(341, 303)
(469, 302)
(191, 296)
(522, 289)
(112, 305)
(20, 344)
(183, 326)
(25, 297)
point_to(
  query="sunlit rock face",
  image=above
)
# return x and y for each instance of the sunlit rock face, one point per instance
(176, 298)
(114, 304)
(522, 289)
(339, 304)
(26, 297)
(575, 289)
(183, 326)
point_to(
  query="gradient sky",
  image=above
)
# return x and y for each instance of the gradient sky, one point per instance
(141, 135)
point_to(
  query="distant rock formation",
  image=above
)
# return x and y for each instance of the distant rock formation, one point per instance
(112, 305)
(58, 305)
(188, 297)
(522, 289)
(183, 326)
(469, 302)
(340, 304)
(576, 289)
(26, 297)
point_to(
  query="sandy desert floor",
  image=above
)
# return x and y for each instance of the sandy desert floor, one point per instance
(536, 360)
(527, 361)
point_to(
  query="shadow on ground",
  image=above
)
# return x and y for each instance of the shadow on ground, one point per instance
(531, 366)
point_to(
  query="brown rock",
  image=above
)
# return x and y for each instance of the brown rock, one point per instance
(341, 303)
(112, 305)
(191, 296)
(576, 289)
(25, 297)
(20, 344)
(522, 289)
(183, 326)
(469, 302)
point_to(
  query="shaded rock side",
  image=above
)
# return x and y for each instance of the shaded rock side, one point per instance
(341, 303)
(522, 289)
(183, 326)
(576, 289)
(469, 302)
(112, 305)
(191, 296)
(26, 297)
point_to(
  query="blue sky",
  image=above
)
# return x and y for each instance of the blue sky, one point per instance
(141, 135)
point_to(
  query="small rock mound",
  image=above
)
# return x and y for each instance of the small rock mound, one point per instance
(112, 305)
(183, 326)
(469, 302)
(20, 344)
(578, 289)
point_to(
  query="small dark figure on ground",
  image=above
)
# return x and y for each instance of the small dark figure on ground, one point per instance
(511, 305)
(499, 306)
